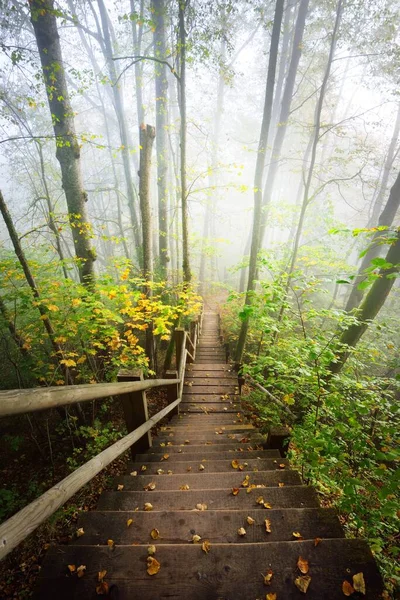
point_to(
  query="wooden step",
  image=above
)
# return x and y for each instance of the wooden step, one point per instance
(218, 526)
(212, 428)
(204, 449)
(196, 436)
(211, 366)
(228, 571)
(187, 455)
(210, 465)
(208, 481)
(291, 496)
(208, 408)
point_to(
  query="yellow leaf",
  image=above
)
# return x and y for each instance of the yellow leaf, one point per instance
(267, 505)
(241, 531)
(260, 500)
(184, 488)
(245, 482)
(271, 597)
(110, 544)
(267, 525)
(235, 464)
(68, 362)
(80, 571)
(297, 535)
(79, 532)
(201, 506)
(268, 577)
(154, 534)
(302, 583)
(359, 583)
(72, 568)
(120, 487)
(250, 521)
(347, 588)
(151, 550)
(201, 468)
(129, 522)
(101, 575)
(235, 491)
(148, 506)
(206, 546)
(153, 566)
(302, 565)
(196, 538)
(150, 486)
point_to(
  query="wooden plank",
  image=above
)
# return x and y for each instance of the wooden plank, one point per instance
(135, 410)
(209, 481)
(219, 526)
(186, 455)
(14, 402)
(213, 465)
(229, 571)
(19, 526)
(292, 496)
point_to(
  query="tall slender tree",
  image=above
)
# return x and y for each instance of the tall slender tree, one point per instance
(258, 176)
(43, 16)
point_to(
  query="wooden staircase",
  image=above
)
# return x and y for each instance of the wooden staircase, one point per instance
(213, 478)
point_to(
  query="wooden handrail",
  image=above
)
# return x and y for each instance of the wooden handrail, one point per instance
(183, 362)
(14, 402)
(20, 525)
(190, 341)
(190, 355)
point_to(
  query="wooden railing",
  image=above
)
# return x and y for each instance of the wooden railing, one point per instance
(131, 390)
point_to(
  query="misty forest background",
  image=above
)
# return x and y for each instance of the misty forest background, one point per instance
(157, 151)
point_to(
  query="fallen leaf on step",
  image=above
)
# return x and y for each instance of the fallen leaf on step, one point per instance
(241, 531)
(143, 468)
(196, 538)
(71, 568)
(187, 441)
(201, 506)
(235, 491)
(111, 544)
(165, 457)
(268, 577)
(80, 571)
(148, 506)
(169, 472)
(160, 471)
(154, 534)
(120, 487)
(102, 589)
(235, 464)
(151, 550)
(206, 546)
(184, 488)
(297, 535)
(359, 583)
(317, 540)
(189, 469)
(347, 588)
(250, 521)
(267, 505)
(260, 500)
(270, 597)
(150, 486)
(267, 525)
(246, 481)
(201, 468)
(282, 466)
(302, 565)
(80, 532)
(129, 522)
(134, 473)
(153, 566)
(302, 583)
(280, 484)
(101, 575)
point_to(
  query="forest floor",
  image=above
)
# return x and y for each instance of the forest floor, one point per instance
(27, 469)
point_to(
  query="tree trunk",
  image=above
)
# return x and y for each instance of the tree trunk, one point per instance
(137, 45)
(161, 88)
(285, 111)
(187, 275)
(68, 152)
(307, 187)
(147, 135)
(258, 176)
(371, 305)
(119, 111)
(386, 219)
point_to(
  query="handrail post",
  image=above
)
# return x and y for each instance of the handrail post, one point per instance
(135, 410)
(179, 337)
(172, 390)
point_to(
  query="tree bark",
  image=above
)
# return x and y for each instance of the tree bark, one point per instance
(317, 127)
(386, 219)
(147, 135)
(285, 111)
(119, 111)
(258, 176)
(68, 152)
(370, 306)
(161, 89)
(187, 274)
